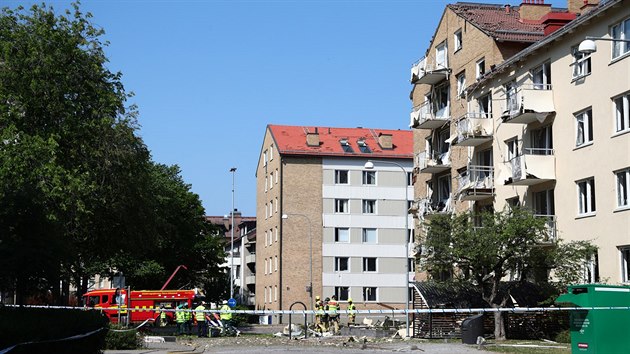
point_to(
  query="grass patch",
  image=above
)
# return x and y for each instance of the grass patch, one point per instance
(496, 348)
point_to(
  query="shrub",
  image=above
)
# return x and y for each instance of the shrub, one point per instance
(563, 336)
(119, 338)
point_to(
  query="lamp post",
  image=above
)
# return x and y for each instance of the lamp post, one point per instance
(587, 46)
(233, 170)
(310, 247)
(370, 165)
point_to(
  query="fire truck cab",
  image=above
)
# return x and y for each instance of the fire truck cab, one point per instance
(141, 305)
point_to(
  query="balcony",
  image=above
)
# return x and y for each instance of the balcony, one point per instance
(537, 165)
(528, 103)
(550, 225)
(250, 258)
(429, 207)
(433, 162)
(250, 279)
(428, 73)
(476, 183)
(424, 116)
(474, 129)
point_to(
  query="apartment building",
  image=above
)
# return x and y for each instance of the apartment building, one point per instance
(453, 144)
(560, 140)
(240, 253)
(329, 225)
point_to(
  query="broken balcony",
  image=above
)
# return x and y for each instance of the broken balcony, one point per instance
(423, 72)
(433, 162)
(425, 116)
(528, 103)
(550, 228)
(476, 183)
(535, 166)
(428, 207)
(474, 129)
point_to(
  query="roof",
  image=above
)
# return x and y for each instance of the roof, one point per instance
(291, 140)
(499, 23)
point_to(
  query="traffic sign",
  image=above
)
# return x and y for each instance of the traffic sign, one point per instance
(232, 302)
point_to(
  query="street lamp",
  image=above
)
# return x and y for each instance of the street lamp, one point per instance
(369, 165)
(233, 170)
(310, 246)
(587, 46)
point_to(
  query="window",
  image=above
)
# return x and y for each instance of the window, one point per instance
(271, 153)
(440, 56)
(363, 146)
(271, 208)
(512, 149)
(341, 176)
(591, 269)
(266, 179)
(369, 206)
(275, 263)
(341, 206)
(265, 293)
(623, 186)
(266, 239)
(461, 84)
(541, 141)
(485, 106)
(342, 292)
(265, 266)
(341, 264)
(625, 263)
(481, 67)
(369, 294)
(409, 179)
(276, 175)
(270, 298)
(581, 63)
(369, 264)
(620, 31)
(622, 113)
(541, 77)
(369, 236)
(270, 180)
(584, 128)
(265, 158)
(440, 101)
(513, 202)
(411, 264)
(345, 145)
(411, 235)
(270, 265)
(457, 38)
(276, 233)
(511, 101)
(369, 177)
(342, 234)
(275, 293)
(444, 193)
(544, 203)
(277, 204)
(266, 210)
(586, 196)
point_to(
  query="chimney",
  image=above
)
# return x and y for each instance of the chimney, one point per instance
(533, 10)
(581, 6)
(312, 139)
(553, 21)
(507, 8)
(385, 141)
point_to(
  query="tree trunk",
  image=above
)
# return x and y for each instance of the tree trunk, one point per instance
(499, 326)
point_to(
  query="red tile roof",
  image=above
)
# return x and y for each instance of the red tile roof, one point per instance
(291, 140)
(500, 24)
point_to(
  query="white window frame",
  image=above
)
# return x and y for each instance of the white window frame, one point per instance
(479, 71)
(275, 293)
(338, 175)
(366, 180)
(271, 152)
(512, 150)
(275, 264)
(265, 158)
(266, 211)
(441, 56)
(266, 179)
(338, 264)
(265, 295)
(271, 208)
(581, 64)
(270, 180)
(584, 128)
(368, 206)
(461, 84)
(409, 179)
(622, 186)
(276, 176)
(365, 264)
(620, 30)
(365, 232)
(340, 294)
(265, 266)
(276, 234)
(457, 40)
(342, 206)
(372, 290)
(541, 76)
(586, 196)
(337, 234)
(621, 109)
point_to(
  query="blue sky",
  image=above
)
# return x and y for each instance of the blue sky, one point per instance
(209, 75)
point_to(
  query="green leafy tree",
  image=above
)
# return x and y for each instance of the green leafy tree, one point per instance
(487, 248)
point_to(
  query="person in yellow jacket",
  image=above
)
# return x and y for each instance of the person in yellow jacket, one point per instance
(333, 316)
(352, 313)
(200, 317)
(319, 315)
(226, 318)
(180, 319)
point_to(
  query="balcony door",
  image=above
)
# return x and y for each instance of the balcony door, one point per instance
(541, 76)
(485, 106)
(440, 101)
(541, 141)
(544, 203)
(441, 56)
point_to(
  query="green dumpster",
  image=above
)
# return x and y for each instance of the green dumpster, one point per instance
(601, 331)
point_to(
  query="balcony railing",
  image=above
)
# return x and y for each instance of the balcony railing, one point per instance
(250, 258)
(428, 207)
(536, 165)
(423, 72)
(476, 183)
(433, 162)
(474, 129)
(250, 279)
(528, 103)
(550, 225)
(425, 116)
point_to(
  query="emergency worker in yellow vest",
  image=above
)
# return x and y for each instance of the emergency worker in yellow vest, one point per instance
(319, 315)
(180, 319)
(333, 316)
(200, 317)
(189, 319)
(160, 316)
(352, 312)
(226, 318)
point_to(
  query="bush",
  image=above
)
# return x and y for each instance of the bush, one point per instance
(563, 336)
(243, 318)
(123, 339)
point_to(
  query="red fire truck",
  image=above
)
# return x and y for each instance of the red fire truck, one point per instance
(140, 306)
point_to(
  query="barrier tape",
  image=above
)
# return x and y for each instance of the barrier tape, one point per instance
(315, 312)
